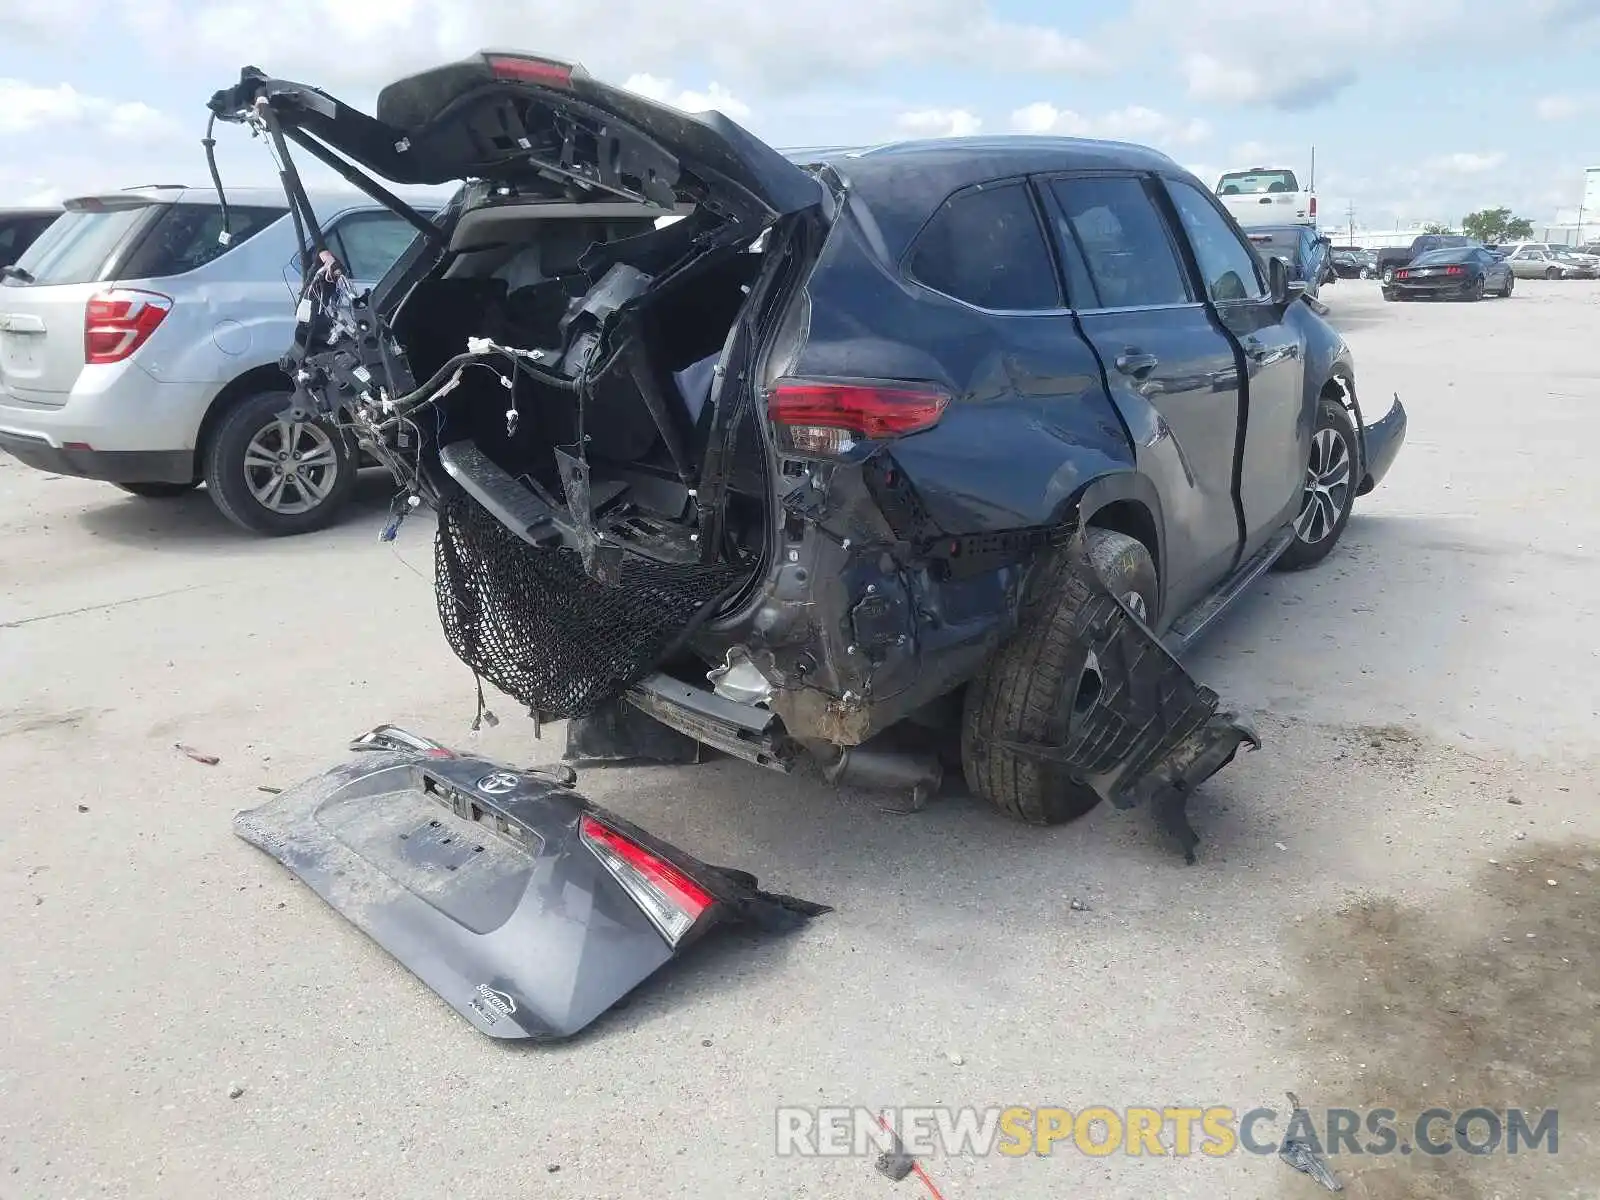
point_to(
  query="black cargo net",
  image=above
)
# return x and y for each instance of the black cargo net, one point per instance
(535, 625)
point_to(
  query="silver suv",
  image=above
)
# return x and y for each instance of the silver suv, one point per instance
(137, 348)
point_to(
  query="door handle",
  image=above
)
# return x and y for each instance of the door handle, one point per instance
(1136, 363)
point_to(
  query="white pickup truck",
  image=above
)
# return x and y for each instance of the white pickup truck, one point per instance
(1267, 196)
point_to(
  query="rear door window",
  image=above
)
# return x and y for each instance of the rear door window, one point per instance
(187, 237)
(1230, 270)
(79, 246)
(985, 246)
(1123, 241)
(368, 243)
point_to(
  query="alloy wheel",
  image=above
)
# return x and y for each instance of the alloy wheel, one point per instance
(1327, 487)
(290, 466)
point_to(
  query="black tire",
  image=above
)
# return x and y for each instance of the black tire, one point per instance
(1027, 691)
(1388, 275)
(1315, 537)
(1553, 273)
(1505, 288)
(1479, 288)
(158, 491)
(229, 480)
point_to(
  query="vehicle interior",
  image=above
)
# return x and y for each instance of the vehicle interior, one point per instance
(525, 279)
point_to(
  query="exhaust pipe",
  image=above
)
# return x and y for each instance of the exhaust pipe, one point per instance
(878, 766)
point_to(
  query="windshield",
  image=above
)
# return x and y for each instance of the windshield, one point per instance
(1438, 257)
(78, 246)
(1247, 182)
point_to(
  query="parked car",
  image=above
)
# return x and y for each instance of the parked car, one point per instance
(1454, 273)
(1303, 250)
(1537, 262)
(1391, 258)
(137, 349)
(1561, 251)
(789, 493)
(1266, 196)
(19, 228)
(1354, 262)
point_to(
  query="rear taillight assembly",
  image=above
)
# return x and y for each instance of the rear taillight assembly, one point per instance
(521, 68)
(1313, 211)
(671, 900)
(118, 322)
(1402, 274)
(1455, 270)
(828, 417)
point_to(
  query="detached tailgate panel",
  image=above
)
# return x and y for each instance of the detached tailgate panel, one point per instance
(473, 876)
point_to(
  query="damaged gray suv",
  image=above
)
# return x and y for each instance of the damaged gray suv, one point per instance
(888, 456)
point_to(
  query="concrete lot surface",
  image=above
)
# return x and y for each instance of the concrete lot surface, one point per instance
(1397, 902)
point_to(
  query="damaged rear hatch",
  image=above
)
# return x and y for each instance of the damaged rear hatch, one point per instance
(513, 116)
(526, 908)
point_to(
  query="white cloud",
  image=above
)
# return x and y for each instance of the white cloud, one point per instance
(1564, 108)
(1466, 162)
(27, 108)
(1132, 124)
(1256, 52)
(714, 97)
(773, 48)
(939, 122)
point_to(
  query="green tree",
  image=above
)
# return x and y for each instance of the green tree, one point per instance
(1496, 225)
(1436, 227)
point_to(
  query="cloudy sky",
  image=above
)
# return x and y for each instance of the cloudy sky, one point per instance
(1419, 109)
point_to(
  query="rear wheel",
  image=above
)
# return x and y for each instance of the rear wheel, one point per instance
(1505, 288)
(277, 477)
(1478, 289)
(1553, 273)
(1388, 275)
(1330, 488)
(1031, 687)
(158, 491)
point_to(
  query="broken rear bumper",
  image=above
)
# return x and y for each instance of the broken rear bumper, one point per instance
(498, 887)
(1381, 442)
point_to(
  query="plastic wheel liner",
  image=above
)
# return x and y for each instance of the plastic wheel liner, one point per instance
(528, 909)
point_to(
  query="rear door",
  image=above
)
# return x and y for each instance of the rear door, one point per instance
(1170, 368)
(1278, 415)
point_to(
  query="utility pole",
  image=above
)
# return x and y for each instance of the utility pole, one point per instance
(1350, 215)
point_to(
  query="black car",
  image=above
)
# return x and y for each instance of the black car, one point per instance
(1353, 262)
(1455, 273)
(20, 228)
(1305, 251)
(965, 435)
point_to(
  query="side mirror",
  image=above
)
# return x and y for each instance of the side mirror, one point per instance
(1283, 289)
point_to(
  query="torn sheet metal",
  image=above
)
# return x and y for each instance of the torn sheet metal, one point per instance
(488, 882)
(1151, 731)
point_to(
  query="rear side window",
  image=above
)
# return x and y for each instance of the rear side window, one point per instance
(368, 243)
(79, 246)
(1231, 272)
(1129, 256)
(985, 246)
(185, 237)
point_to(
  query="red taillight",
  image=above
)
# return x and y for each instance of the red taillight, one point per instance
(1402, 274)
(671, 900)
(828, 417)
(1313, 206)
(118, 322)
(1455, 270)
(523, 69)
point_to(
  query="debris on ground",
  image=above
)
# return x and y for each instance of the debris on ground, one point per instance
(235, 1091)
(199, 756)
(271, 791)
(1079, 906)
(1305, 1158)
(955, 1059)
(83, 808)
